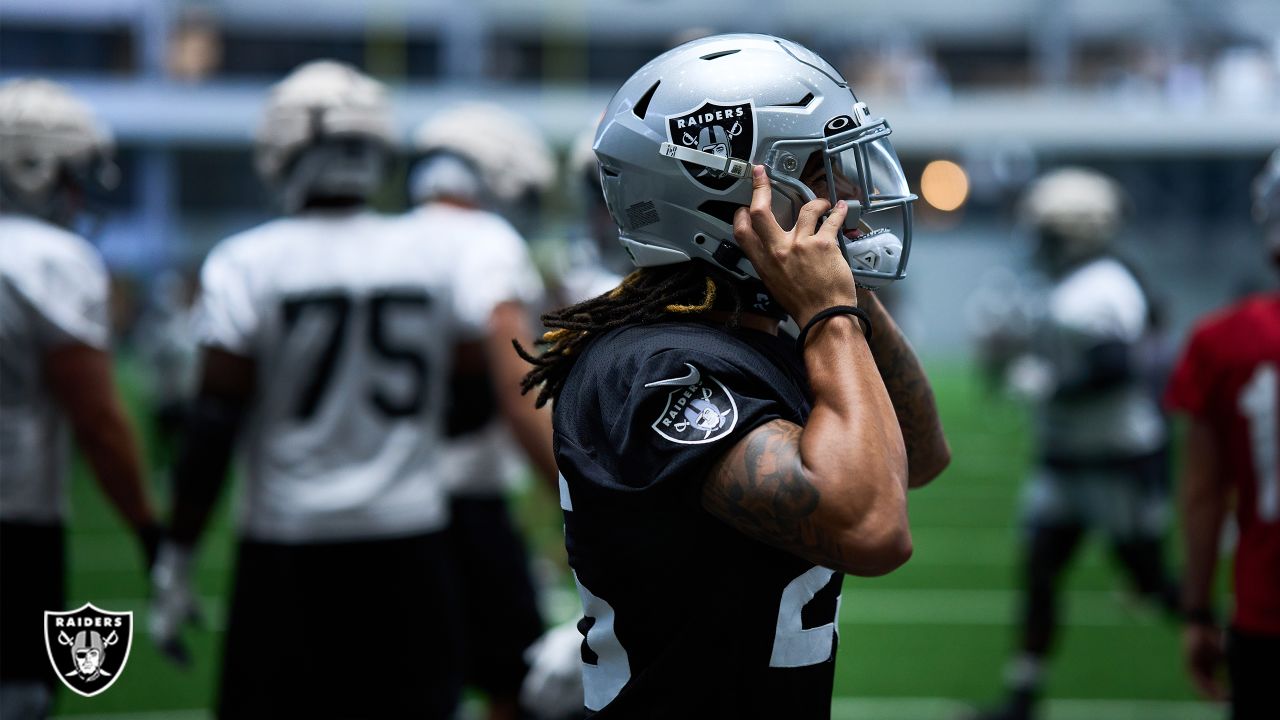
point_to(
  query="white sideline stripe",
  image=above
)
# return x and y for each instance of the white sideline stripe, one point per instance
(1066, 709)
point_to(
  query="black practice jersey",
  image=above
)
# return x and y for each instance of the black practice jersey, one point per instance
(684, 615)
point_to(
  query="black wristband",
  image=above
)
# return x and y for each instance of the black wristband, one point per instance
(830, 312)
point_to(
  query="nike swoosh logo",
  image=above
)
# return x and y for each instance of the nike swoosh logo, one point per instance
(693, 378)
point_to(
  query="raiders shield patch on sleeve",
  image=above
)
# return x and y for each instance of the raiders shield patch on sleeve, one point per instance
(699, 409)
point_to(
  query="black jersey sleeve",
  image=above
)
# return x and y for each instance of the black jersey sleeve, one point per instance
(684, 408)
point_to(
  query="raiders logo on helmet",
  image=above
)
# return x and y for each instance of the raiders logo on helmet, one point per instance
(88, 646)
(699, 410)
(724, 129)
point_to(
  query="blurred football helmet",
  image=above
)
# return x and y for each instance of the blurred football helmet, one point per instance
(582, 173)
(1075, 212)
(1266, 201)
(508, 155)
(326, 132)
(51, 146)
(1266, 191)
(678, 140)
(582, 167)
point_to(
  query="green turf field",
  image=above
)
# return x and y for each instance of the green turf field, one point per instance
(919, 643)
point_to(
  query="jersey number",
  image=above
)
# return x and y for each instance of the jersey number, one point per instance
(606, 669)
(1258, 400)
(335, 310)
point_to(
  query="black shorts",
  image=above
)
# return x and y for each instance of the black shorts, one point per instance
(342, 630)
(500, 606)
(32, 580)
(1251, 661)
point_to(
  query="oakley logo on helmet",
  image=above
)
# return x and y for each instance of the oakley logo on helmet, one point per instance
(837, 124)
(88, 647)
(722, 129)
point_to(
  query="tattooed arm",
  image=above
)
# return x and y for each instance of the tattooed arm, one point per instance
(927, 451)
(834, 491)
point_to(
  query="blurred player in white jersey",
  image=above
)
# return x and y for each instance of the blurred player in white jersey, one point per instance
(327, 339)
(1100, 435)
(476, 161)
(55, 372)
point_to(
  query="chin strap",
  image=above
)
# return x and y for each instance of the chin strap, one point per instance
(721, 163)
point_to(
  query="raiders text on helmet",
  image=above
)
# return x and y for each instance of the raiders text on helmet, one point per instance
(326, 132)
(48, 137)
(678, 140)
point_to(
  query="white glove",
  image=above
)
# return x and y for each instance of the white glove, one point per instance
(553, 687)
(173, 604)
(1031, 378)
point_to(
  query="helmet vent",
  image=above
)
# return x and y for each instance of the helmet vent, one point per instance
(801, 103)
(720, 54)
(642, 106)
(720, 210)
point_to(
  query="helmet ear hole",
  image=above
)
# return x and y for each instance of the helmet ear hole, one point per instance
(720, 210)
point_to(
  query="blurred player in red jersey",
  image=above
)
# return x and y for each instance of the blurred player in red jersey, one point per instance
(1228, 382)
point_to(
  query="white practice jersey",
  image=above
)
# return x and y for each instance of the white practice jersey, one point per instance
(496, 268)
(53, 292)
(1098, 302)
(350, 319)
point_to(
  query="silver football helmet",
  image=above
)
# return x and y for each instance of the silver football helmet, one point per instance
(50, 142)
(326, 132)
(677, 142)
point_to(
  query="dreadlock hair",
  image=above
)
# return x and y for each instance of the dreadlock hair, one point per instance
(647, 295)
